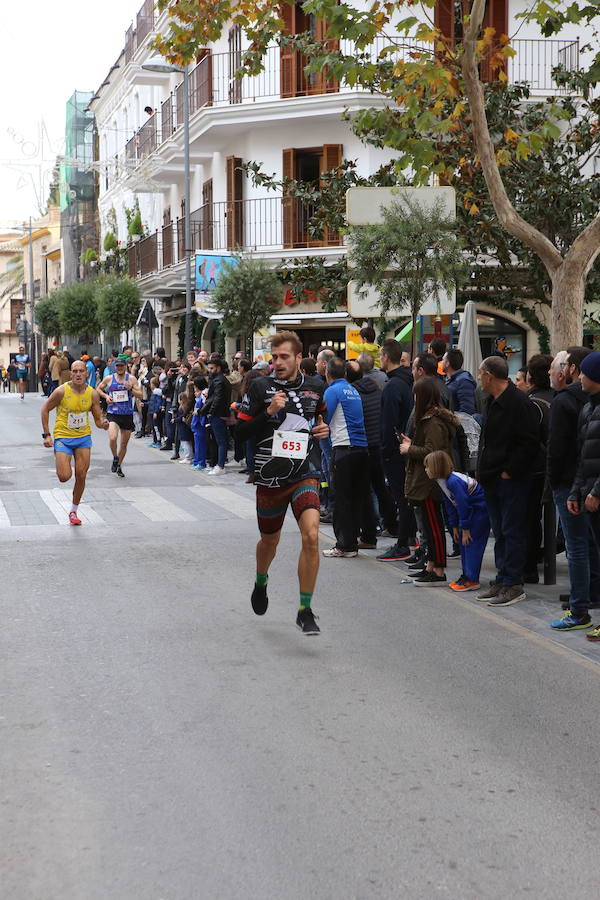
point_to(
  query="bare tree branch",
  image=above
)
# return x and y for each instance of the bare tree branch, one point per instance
(507, 214)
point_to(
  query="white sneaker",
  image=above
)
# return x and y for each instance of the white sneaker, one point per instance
(218, 470)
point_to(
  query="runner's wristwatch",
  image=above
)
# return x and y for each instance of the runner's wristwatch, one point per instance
(45, 434)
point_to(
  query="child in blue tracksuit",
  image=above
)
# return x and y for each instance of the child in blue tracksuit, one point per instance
(199, 423)
(155, 406)
(467, 513)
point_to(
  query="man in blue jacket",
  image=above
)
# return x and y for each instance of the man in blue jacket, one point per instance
(349, 459)
(461, 384)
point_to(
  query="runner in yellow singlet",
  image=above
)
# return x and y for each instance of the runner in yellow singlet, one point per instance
(73, 402)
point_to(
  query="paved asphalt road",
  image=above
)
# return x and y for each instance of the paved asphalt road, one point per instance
(158, 741)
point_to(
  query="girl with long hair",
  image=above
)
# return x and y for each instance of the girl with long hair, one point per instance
(435, 429)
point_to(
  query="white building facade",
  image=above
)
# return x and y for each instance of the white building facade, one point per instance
(289, 123)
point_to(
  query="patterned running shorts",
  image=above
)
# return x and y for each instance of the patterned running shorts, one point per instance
(272, 503)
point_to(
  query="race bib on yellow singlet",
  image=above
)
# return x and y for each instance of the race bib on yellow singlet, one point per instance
(290, 444)
(120, 396)
(76, 420)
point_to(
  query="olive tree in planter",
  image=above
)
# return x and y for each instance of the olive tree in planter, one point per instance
(47, 317)
(248, 293)
(78, 311)
(414, 256)
(119, 303)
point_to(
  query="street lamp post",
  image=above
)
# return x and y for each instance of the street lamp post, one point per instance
(159, 65)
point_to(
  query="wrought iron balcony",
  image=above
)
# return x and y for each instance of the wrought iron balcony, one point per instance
(265, 223)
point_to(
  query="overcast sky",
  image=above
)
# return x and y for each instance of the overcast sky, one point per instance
(47, 51)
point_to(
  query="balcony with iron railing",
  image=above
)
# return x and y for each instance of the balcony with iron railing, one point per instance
(144, 24)
(261, 224)
(214, 83)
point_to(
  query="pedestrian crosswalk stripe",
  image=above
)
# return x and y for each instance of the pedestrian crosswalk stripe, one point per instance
(153, 506)
(59, 504)
(105, 506)
(4, 520)
(227, 500)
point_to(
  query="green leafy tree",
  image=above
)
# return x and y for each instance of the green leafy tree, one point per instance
(47, 315)
(78, 310)
(412, 257)
(247, 294)
(119, 303)
(433, 93)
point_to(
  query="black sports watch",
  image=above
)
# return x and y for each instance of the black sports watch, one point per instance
(45, 434)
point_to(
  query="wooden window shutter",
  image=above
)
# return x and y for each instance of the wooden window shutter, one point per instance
(288, 64)
(496, 17)
(234, 208)
(332, 158)
(289, 204)
(206, 231)
(444, 18)
(329, 85)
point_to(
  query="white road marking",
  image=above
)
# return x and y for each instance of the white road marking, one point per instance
(153, 506)
(4, 520)
(85, 512)
(54, 506)
(227, 500)
(59, 501)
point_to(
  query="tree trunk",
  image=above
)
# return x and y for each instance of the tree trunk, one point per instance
(568, 289)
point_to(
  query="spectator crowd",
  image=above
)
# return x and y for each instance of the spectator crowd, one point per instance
(418, 450)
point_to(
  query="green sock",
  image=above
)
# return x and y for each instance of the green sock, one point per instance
(261, 579)
(305, 599)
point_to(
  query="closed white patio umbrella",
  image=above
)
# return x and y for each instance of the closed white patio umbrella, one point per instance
(468, 340)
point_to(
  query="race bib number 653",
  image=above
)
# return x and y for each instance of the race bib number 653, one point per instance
(290, 444)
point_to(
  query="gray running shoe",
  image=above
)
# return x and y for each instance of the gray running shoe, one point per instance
(491, 592)
(509, 595)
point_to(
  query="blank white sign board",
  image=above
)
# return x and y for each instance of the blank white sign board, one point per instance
(363, 204)
(367, 306)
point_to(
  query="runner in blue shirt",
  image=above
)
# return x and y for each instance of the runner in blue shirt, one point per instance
(23, 364)
(119, 390)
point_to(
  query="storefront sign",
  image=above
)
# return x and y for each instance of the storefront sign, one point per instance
(352, 334)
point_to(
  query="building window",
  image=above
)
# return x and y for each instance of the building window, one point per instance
(307, 165)
(234, 41)
(293, 80)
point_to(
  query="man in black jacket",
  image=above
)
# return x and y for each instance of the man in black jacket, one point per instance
(397, 404)
(541, 395)
(584, 496)
(510, 439)
(582, 552)
(370, 396)
(217, 409)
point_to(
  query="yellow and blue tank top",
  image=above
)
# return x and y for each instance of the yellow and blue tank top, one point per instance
(73, 413)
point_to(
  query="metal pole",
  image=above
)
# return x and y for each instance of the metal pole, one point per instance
(549, 542)
(32, 347)
(187, 340)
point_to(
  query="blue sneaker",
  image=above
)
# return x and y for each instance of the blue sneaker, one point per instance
(569, 622)
(154, 444)
(198, 467)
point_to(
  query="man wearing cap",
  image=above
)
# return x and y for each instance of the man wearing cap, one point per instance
(90, 370)
(119, 390)
(584, 497)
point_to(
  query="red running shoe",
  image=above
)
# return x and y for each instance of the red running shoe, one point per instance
(463, 584)
(73, 519)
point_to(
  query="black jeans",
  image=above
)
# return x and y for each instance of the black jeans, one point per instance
(350, 475)
(506, 500)
(395, 472)
(387, 507)
(534, 524)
